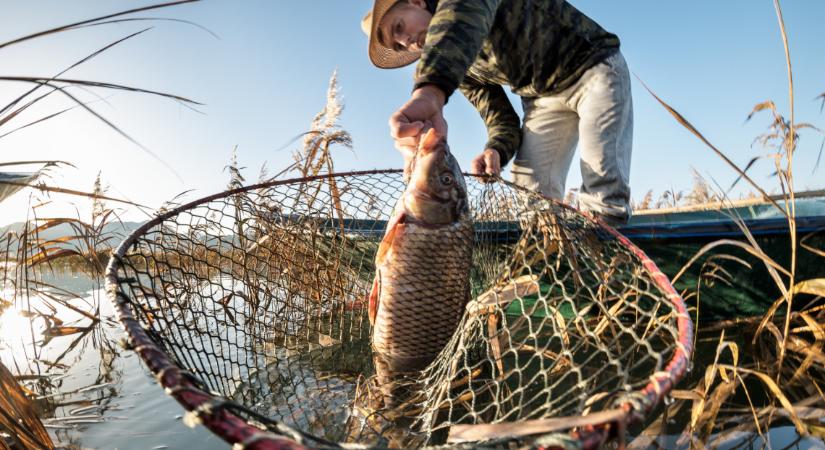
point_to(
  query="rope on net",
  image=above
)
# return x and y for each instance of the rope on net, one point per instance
(249, 307)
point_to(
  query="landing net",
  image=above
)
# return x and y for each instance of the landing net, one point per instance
(250, 308)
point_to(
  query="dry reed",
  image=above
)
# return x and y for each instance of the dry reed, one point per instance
(81, 244)
(782, 377)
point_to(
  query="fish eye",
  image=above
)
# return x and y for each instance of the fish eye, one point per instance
(447, 179)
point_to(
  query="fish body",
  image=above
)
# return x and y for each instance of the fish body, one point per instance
(422, 282)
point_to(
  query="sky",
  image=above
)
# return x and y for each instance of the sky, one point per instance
(265, 76)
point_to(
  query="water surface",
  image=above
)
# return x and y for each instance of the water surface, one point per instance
(99, 395)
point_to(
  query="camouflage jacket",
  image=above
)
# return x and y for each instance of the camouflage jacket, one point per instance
(536, 47)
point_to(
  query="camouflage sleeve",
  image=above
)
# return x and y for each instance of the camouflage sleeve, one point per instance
(503, 124)
(454, 38)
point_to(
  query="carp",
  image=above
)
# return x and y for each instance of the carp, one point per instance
(422, 282)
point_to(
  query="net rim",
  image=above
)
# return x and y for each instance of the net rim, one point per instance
(213, 411)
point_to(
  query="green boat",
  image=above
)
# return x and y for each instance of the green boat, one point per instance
(730, 289)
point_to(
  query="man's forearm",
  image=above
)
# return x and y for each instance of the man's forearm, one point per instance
(432, 93)
(503, 124)
(453, 40)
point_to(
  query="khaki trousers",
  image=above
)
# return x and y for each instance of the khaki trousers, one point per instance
(597, 112)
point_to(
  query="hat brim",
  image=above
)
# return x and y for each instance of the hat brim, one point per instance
(381, 56)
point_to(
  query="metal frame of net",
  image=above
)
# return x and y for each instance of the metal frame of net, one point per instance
(249, 308)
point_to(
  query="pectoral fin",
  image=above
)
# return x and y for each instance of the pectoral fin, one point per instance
(393, 227)
(375, 295)
(395, 224)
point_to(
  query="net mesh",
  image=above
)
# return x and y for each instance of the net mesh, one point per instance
(251, 308)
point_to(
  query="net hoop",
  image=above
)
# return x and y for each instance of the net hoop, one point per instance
(221, 416)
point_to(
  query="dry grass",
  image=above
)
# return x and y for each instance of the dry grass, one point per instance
(18, 417)
(26, 256)
(28, 259)
(788, 355)
(311, 262)
(782, 377)
(701, 193)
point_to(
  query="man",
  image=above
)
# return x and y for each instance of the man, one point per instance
(573, 81)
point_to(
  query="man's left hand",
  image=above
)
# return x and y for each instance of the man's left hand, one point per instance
(487, 162)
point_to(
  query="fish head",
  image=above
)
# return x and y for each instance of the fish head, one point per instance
(436, 193)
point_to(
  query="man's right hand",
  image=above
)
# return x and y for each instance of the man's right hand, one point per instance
(425, 105)
(422, 111)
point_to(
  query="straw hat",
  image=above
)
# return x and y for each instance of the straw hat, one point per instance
(383, 57)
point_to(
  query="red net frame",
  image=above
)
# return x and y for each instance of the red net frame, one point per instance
(238, 424)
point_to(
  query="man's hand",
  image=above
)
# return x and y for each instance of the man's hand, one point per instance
(423, 110)
(487, 162)
(425, 106)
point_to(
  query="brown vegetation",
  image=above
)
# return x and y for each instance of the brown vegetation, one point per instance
(782, 377)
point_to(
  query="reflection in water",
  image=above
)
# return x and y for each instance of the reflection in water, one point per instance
(87, 392)
(14, 326)
(73, 375)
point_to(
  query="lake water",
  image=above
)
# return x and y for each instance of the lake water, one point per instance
(99, 395)
(104, 389)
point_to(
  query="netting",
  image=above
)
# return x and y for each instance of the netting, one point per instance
(251, 308)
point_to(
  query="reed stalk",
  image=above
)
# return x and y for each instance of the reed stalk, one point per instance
(790, 204)
(789, 351)
(25, 255)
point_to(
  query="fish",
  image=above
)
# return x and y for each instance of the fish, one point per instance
(422, 281)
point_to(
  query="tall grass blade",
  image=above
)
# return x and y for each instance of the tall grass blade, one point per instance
(812, 351)
(50, 254)
(35, 122)
(748, 248)
(152, 19)
(99, 116)
(45, 188)
(28, 104)
(774, 389)
(684, 122)
(745, 170)
(18, 416)
(772, 269)
(811, 249)
(49, 162)
(97, 84)
(787, 177)
(814, 286)
(40, 82)
(88, 22)
(32, 90)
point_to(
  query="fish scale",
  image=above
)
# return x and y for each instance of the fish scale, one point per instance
(424, 291)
